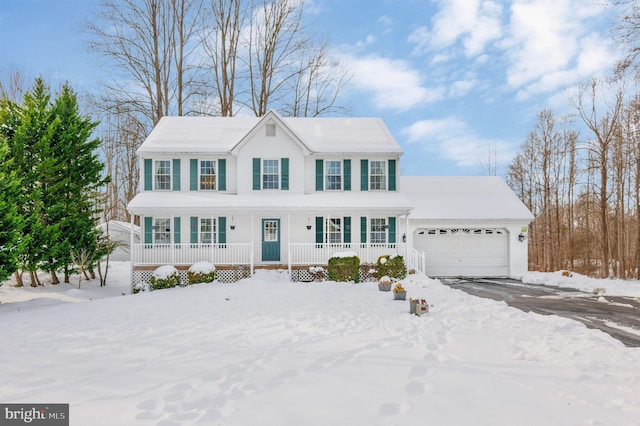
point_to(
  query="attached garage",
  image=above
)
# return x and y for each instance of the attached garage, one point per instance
(471, 226)
(464, 251)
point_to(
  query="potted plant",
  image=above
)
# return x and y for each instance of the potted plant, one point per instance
(384, 284)
(399, 293)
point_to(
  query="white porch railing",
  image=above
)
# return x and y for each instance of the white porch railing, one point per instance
(188, 254)
(415, 260)
(311, 253)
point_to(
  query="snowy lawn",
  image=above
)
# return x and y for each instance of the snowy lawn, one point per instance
(265, 351)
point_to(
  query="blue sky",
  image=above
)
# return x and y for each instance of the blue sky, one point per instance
(453, 79)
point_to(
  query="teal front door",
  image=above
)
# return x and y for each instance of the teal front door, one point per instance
(270, 240)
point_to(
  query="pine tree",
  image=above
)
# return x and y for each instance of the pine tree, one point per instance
(75, 205)
(10, 221)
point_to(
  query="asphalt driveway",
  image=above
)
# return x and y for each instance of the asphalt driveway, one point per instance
(615, 315)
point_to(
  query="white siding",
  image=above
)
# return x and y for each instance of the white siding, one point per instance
(269, 147)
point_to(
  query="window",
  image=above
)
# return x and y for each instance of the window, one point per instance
(378, 231)
(207, 231)
(163, 174)
(162, 231)
(378, 175)
(270, 174)
(271, 129)
(334, 231)
(333, 176)
(207, 174)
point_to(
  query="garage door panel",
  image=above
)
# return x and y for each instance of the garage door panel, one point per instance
(464, 252)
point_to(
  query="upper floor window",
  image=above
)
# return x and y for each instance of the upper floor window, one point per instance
(333, 175)
(162, 231)
(162, 174)
(207, 174)
(377, 175)
(207, 231)
(270, 174)
(378, 231)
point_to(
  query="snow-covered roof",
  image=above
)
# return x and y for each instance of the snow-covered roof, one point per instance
(220, 134)
(463, 197)
(179, 201)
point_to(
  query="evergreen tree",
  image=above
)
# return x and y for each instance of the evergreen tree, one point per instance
(75, 205)
(10, 221)
(52, 151)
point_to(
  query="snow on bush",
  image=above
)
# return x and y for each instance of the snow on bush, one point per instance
(165, 276)
(392, 266)
(201, 272)
(343, 254)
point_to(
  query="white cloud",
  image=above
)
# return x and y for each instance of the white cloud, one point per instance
(455, 141)
(474, 23)
(551, 44)
(394, 83)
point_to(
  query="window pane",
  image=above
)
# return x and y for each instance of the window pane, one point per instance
(378, 232)
(207, 231)
(270, 174)
(334, 231)
(378, 177)
(333, 179)
(208, 174)
(162, 231)
(163, 174)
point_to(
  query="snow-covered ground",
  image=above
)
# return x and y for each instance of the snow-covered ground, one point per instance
(266, 351)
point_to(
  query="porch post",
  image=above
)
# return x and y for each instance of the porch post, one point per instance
(252, 246)
(131, 248)
(172, 224)
(289, 243)
(406, 233)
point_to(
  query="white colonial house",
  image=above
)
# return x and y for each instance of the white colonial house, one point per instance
(249, 192)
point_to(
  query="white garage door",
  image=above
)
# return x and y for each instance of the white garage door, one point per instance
(464, 252)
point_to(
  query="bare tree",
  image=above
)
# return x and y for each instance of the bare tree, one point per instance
(603, 127)
(148, 44)
(275, 37)
(222, 44)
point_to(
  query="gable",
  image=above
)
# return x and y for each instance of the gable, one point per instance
(271, 132)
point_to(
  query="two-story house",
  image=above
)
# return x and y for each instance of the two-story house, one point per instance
(245, 192)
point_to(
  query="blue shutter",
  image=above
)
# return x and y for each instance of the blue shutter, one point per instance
(176, 174)
(193, 174)
(222, 174)
(222, 230)
(319, 230)
(392, 175)
(319, 174)
(346, 230)
(176, 230)
(256, 174)
(364, 175)
(284, 174)
(148, 230)
(347, 175)
(193, 227)
(148, 174)
(392, 230)
(363, 229)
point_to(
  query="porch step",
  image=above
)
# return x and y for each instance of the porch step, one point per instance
(271, 267)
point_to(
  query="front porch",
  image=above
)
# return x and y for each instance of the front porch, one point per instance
(236, 261)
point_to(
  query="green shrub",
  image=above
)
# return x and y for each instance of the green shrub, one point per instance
(164, 277)
(392, 266)
(344, 267)
(201, 272)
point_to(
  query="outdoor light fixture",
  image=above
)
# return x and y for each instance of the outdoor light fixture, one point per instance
(233, 226)
(521, 237)
(385, 226)
(308, 224)
(404, 238)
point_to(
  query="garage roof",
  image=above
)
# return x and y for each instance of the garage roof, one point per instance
(463, 198)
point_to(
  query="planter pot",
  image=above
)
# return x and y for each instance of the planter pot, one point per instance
(384, 287)
(399, 295)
